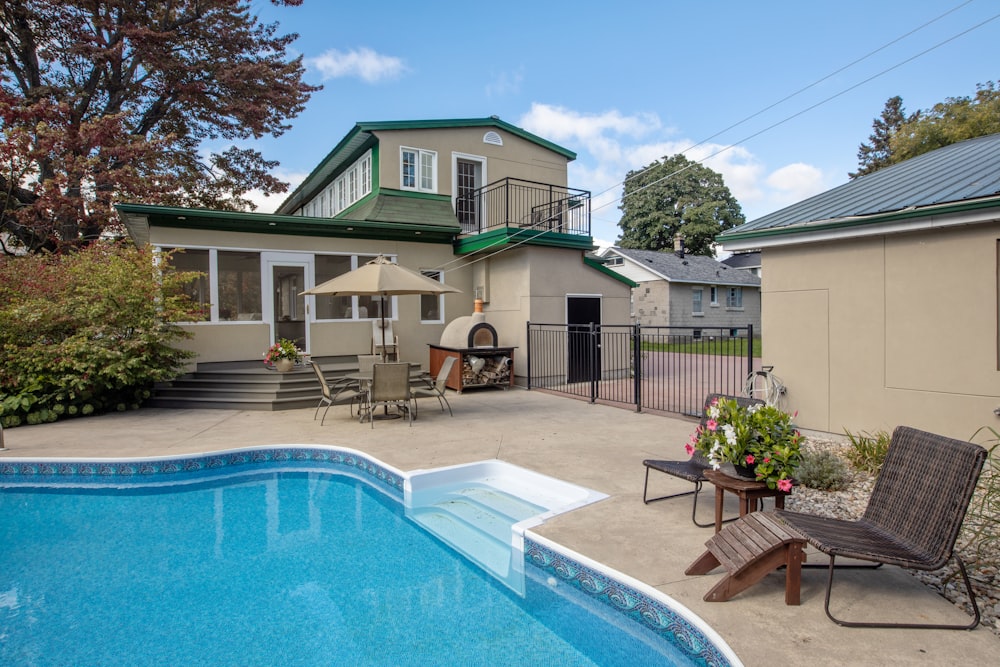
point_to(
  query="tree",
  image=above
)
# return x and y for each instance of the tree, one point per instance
(676, 196)
(956, 119)
(112, 100)
(878, 153)
(898, 137)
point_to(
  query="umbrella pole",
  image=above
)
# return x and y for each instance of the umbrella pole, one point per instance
(382, 314)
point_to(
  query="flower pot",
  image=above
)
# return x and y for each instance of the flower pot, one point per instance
(284, 365)
(739, 471)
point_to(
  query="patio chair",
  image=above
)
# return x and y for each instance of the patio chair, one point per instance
(330, 395)
(390, 385)
(693, 469)
(385, 346)
(913, 516)
(435, 389)
(366, 362)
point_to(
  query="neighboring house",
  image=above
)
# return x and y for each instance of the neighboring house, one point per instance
(477, 203)
(880, 299)
(678, 289)
(748, 261)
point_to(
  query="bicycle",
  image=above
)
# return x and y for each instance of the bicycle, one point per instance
(765, 385)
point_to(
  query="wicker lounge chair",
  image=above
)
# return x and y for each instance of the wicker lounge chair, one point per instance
(693, 469)
(913, 517)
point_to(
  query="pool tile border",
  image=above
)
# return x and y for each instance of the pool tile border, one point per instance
(624, 599)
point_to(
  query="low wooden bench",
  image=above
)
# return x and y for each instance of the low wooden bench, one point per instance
(749, 549)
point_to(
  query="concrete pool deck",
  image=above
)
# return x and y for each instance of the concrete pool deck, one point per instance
(596, 446)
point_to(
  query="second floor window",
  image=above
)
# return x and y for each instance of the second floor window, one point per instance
(418, 170)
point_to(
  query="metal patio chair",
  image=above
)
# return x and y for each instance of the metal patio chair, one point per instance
(435, 389)
(913, 516)
(331, 394)
(693, 469)
(390, 385)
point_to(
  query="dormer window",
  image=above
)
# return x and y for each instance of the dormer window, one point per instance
(418, 170)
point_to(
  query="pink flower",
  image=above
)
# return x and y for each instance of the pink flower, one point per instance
(689, 449)
(767, 459)
(785, 485)
(796, 414)
(750, 459)
(711, 424)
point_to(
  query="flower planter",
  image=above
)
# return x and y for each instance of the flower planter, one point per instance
(283, 365)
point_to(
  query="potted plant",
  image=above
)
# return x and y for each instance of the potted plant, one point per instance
(760, 441)
(283, 355)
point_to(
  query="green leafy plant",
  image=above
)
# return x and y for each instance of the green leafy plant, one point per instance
(981, 529)
(822, 469)
(758, 436)
(86, 332)
(867, 450)
(283, 349)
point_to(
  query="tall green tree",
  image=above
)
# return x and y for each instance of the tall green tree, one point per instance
(676, 196)
(109, 100)
(897, 137)
(956, 119)
(878, 152)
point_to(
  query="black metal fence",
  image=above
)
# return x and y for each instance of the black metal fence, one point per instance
(668, 369)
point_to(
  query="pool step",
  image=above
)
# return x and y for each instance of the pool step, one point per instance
(477, 521)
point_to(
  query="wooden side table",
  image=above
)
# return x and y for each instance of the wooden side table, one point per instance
(748, 490)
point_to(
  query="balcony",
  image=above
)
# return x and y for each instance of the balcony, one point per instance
(525, 205)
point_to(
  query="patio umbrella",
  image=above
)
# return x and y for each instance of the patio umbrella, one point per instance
(380, 278)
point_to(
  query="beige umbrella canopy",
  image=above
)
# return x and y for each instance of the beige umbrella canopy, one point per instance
(381, 278)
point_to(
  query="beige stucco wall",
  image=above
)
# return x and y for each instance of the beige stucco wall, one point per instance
(872, 333)
(531, 283)
(518, 157)
(238, 341)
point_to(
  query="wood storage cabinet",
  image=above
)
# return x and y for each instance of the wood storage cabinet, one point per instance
(497, 368)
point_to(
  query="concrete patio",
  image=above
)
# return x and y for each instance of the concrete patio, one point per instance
(596, 446)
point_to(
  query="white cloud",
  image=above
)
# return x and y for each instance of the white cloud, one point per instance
(506, 83)
(363, 63)
(268, 204)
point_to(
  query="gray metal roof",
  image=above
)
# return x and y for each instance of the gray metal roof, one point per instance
(689, 268)
(957, 173)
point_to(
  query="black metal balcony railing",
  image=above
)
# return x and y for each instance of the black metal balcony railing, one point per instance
(514, 202)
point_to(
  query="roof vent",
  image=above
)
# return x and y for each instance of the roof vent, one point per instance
(492, 137)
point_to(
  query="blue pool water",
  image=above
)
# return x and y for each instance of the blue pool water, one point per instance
(272, 567)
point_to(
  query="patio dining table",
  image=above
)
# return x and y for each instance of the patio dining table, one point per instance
(361, 380)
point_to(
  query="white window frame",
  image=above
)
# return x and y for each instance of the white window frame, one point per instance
(440, 297)
(713, 295)
(734, 298)
(697, 300)
(423, 158)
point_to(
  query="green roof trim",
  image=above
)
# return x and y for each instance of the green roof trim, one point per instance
(360, 139)
(139, 218)
(505, 236)
(858, 221)
(596, 263)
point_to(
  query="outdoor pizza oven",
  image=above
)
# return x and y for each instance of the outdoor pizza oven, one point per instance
(480, 361)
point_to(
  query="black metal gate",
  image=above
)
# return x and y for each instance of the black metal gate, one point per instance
(668, 369)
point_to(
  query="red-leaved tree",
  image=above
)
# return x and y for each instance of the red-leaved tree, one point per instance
(116, 100)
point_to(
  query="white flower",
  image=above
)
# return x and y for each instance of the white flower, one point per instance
(730, 434)
(713, 412)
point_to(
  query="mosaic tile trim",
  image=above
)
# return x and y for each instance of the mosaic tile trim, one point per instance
(196, 467)
(641, 608)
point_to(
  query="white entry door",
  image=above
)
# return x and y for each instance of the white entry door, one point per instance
(286, 276)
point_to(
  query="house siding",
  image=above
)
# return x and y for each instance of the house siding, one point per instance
(871, 333)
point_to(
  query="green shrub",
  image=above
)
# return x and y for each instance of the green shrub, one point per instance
(86, 332)
(867, 451)
(981, 530)
(822, 469)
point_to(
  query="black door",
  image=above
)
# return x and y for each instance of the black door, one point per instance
(584, 363)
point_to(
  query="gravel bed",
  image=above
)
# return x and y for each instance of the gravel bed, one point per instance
(850, 504)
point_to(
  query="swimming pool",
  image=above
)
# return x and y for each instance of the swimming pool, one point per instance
(290, 556)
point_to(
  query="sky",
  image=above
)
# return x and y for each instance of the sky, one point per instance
(774, 95)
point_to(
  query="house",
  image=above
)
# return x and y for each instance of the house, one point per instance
(477, 203)
(683, 290)
(748, 261)
(880, 296)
